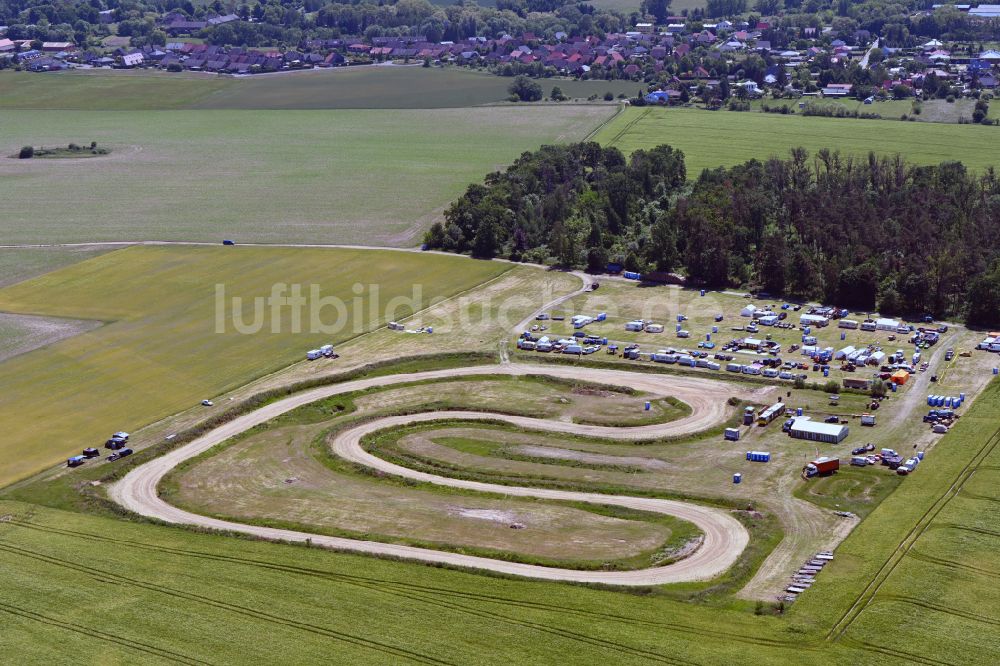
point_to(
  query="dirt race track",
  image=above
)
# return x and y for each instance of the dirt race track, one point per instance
(724, 536)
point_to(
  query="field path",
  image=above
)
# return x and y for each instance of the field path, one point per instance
(725, 537)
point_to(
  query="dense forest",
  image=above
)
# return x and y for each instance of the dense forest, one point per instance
(871, 233)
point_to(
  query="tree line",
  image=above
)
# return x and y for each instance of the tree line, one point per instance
(873, 233)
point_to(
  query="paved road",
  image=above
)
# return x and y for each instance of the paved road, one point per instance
(868, 54)
(724, 536)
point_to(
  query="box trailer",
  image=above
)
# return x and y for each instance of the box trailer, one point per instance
(867, 419)
(732, 434)
(822, 466)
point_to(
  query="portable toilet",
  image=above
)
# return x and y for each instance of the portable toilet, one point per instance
(961, 397)
(708, 336)
(680, 318)
(748, 416)
(806, 330)
(996, 371)
(947, 401)
(920, 455)
(893, 387)
(826, 372)
(715, 329)
(649, 405)
(930, 401)
(702, 292)
(601, 316)
(732, 434)
(678, 329)
(843, 336)
(737, 477)
(798, 411)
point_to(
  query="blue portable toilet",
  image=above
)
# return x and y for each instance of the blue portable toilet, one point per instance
(920, 455)
(715, 329)
(708, 336)
(702, 292)
(678, 327)
(648, 405)
(947, 401)
(806, 330)
(996, 371)
(798, 411)
(893, 386)
(930, 401)
(680, 317)
(601, 316)
(843, 336)
(737, 477)
(826, 372)
(961, 396)
(430, 329)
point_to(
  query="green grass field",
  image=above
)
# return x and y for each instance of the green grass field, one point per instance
(159, 352)
(343, 177)
(412, 87)
(711, 139)
(22, 263)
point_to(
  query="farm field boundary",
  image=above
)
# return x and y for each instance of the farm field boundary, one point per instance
(710, 139)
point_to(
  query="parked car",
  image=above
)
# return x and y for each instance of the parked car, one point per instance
(832, 419)
(228, 242)
(75, 461)
(207, 403)
(91, 453)
(542, 317)
(117, 455)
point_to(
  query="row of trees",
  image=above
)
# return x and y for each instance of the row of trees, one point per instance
(872, 233)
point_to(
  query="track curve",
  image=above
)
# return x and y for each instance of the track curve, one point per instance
(724, 536)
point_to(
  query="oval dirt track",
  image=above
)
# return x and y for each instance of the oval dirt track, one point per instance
(724, 536)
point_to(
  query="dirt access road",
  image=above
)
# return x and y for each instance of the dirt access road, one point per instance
(724, 536)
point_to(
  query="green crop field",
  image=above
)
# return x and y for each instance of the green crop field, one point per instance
(159, 351)
(21, 263)
(411, 87)
(722, 138)
(342, 177)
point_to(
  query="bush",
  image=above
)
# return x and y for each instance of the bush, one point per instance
(609, 96)
(831, 386)
(950, 99)
(26, 153)
(525, 90)
(73, 147)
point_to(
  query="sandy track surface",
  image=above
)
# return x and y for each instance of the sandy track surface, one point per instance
(725, 537)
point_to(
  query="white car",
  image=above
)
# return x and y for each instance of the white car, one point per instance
(207, 403)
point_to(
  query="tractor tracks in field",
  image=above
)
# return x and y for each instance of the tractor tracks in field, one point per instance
(440, 597)
(906, 546)
(245, 611)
